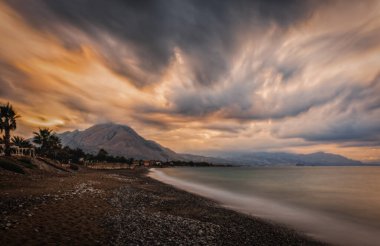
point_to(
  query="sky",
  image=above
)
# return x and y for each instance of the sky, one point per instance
(196, 76)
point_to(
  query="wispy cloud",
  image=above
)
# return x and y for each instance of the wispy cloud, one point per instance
(196, 75)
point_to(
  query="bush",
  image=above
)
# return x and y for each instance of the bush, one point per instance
(74, 167)
(10, 166)
(26, 162)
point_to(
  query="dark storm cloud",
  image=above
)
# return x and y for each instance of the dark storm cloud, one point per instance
(239, 102)
(345, 131)
(354, 121)
(368, 96)
(156, 123)
(226, 128)
(366, 143)
(77, 104)
(204, 30)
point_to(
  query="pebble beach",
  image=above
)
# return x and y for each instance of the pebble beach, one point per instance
(123, 207)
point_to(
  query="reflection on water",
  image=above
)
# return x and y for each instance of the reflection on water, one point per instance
(337, 204)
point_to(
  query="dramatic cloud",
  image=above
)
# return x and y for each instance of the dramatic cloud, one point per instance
(200, 76)
(145, 33)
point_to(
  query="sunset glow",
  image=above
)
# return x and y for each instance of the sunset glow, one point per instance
(198, 77)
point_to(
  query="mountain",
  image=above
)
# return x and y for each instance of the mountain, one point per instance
(199, 158)
(281, 158)
(121, 140)
(373, 162)
(117, 140)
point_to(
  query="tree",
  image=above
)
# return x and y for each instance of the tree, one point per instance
(54, 142)
(47, 141)
(42, 138)
(102, 155)
(21, 142)
(7, 124)
(78, 154)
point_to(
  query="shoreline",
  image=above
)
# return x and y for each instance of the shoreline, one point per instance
(118, 207)
(318, 225)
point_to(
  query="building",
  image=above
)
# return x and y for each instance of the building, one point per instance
(18, 151)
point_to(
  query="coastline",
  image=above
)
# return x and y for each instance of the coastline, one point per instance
(319, 225)
(118, 207)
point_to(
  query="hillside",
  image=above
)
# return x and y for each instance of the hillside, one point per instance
(117, 140)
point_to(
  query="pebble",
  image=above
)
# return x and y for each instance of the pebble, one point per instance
(138, 226)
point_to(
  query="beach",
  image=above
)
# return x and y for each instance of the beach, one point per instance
(123, 207)
(338, 205)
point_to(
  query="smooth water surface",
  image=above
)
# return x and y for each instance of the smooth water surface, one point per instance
(340, 205)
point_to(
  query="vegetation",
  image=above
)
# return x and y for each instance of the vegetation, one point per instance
(26, 162)
(21, 142)
(46, 139)
(67, 155)
(103, 156)
(49, 144)
(7, 124)
(9, 165)
(191, 164)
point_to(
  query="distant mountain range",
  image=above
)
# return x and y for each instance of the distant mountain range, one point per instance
(122, 140)
(282, 158)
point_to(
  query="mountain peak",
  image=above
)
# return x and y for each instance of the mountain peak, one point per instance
(118, 140)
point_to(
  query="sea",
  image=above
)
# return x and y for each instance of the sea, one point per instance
(338, 205)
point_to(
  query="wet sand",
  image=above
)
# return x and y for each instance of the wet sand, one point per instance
(125, 207)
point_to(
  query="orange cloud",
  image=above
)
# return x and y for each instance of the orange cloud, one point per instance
(308, 85)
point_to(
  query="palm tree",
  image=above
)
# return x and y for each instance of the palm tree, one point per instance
(42, 138)
(21, 142)
(47, 140)
(54, 142)
(7, 124)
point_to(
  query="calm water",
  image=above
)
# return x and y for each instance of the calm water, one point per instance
(340, 205)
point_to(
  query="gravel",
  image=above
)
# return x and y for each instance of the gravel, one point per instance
(153, 213)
